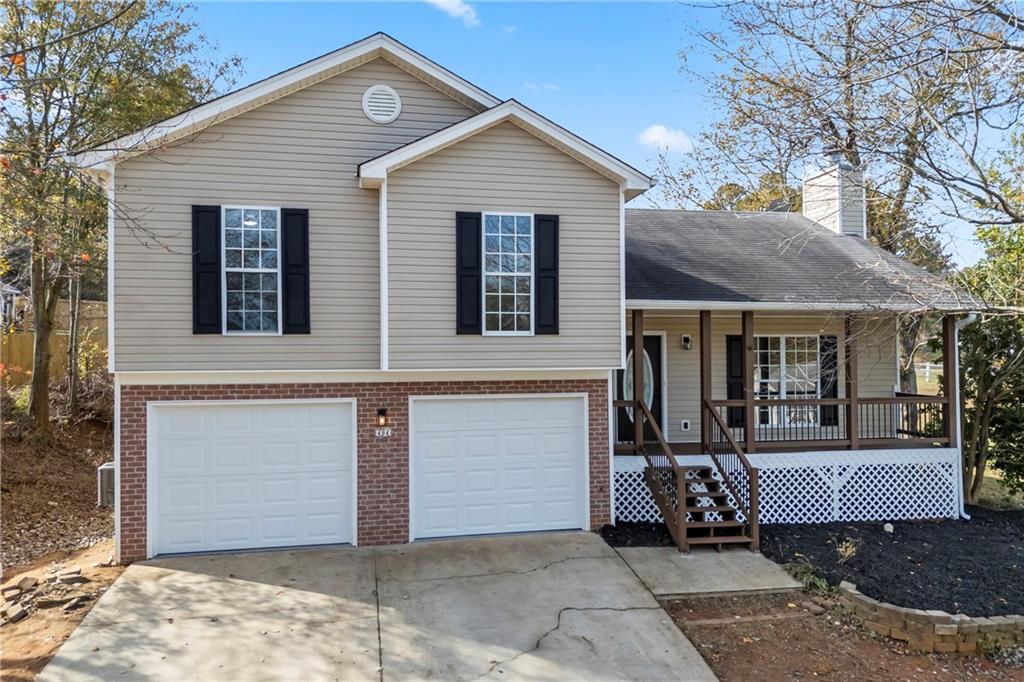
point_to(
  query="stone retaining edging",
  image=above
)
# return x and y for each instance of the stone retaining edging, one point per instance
(933, 631)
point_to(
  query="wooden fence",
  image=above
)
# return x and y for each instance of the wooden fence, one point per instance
(16, 353)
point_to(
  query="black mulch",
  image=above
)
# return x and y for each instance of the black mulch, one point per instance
(974, 567)
(636, 534)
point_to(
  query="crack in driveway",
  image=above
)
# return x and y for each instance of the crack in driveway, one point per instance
(558, 624)
(505, 572)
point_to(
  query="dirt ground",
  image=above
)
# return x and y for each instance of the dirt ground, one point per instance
(779, 637)
(30, 643)
(49, 494)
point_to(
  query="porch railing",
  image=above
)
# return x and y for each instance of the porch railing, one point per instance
(905, 420)
(740, 478)
(663, 474)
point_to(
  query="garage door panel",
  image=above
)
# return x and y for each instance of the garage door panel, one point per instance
(252, 475)
(489, 465)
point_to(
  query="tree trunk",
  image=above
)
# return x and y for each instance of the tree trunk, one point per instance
(910, 328)
(39, 396)
(74, 308)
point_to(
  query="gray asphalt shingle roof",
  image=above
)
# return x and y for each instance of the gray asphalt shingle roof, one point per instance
(768, 257)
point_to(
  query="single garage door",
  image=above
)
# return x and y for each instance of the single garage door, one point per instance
(250, 475)
(498, 465)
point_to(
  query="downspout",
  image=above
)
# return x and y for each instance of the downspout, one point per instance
(960, 324)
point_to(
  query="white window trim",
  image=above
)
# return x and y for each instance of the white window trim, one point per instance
(224, 271)
(783, 395)
(483, 270)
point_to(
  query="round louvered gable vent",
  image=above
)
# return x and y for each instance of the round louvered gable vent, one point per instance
(381, 103)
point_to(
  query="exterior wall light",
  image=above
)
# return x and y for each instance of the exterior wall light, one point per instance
(382, 417)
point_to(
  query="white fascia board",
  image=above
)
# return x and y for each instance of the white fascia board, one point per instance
(788, 306)
(261, 92)
(300, 376)
(373, 172)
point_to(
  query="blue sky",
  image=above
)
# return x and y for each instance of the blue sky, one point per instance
(608, 71)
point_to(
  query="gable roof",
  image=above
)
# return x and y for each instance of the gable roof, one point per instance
(191, 121)
(374, 171)
(688, 259)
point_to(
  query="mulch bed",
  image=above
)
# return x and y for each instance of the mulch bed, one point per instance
(972, 567)
(637, 534)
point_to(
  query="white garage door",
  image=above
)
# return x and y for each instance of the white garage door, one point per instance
(498, 465)
(250, 475)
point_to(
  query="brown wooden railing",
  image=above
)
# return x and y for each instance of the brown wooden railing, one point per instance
(662, 473)
(740, 477)
(905, 420)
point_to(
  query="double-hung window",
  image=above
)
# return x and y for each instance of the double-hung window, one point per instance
(787, 367)
(251, 281)
(508, 274)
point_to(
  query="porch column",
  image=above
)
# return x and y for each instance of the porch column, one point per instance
(852, 406)
(705, 372)
(949, 351)
(748, 378)
(638, 378)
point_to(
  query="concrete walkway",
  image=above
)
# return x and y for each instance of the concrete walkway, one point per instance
(668, 572)
(542, 607)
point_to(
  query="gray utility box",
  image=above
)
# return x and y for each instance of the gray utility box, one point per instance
(105, 485)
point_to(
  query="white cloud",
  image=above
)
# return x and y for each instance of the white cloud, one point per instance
(508, 29)
(666, 139)
(536, 87)
(457, 9)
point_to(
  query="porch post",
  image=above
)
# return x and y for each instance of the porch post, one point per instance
(748, 378)
(949, 350)
(852, 407)
(638, 378)
(705, 373)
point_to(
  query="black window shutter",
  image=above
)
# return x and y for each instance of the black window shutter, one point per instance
(546, 274)
(206, 255)
(828, 358)
(468, 273)
(734, 378)
(295, 270)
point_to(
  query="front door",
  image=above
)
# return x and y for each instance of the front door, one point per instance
(652, 379)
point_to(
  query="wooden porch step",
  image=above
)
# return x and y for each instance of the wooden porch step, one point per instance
(713, 493)
(720, 540)
(711, 508)
(703, 479)
(715, 524)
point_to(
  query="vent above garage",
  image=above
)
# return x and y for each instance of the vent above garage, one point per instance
(381, 103)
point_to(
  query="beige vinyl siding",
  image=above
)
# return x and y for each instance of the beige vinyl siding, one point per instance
(876, 354)
(503, 168)
(298, 152)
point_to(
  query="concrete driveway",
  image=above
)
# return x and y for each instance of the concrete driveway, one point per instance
(553, 606)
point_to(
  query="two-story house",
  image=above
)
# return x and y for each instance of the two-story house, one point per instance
(365, 301)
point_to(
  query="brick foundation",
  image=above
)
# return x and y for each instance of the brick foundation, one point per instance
(382, 465)
(933, 631)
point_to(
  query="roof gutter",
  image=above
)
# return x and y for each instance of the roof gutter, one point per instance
(786, 306)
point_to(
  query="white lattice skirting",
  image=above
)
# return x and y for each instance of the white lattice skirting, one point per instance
(819, 487)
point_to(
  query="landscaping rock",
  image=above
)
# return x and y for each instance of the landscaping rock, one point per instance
(9, 593)
(27, 583)
(72, 578)
(51, 600)
(73, 604)
(15, 613)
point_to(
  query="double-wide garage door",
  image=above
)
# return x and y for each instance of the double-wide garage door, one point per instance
(250, 475)
(498, 465)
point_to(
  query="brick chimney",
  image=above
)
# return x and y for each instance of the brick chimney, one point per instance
(834, 197)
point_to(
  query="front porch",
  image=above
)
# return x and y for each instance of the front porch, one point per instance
(796, 416)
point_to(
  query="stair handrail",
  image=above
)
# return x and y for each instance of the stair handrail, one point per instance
(751, 508)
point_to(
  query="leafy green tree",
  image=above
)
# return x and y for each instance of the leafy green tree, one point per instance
(992, 362)
(74, 75)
